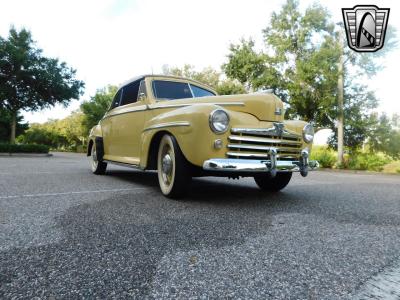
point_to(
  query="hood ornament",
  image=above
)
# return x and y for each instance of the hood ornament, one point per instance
(279, 128)
(278, 111)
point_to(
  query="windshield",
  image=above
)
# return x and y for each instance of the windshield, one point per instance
(172, 90)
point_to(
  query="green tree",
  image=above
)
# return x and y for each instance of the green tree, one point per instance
(97, 106)
(245, 64)
(44, 134)
(65, 134)
(300, 63)
(207, 76)
(230, 87)
(73, 129)
(5, 125)
(383, 135)
(30, 81)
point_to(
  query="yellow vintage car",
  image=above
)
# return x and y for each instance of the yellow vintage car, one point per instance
(182, 129)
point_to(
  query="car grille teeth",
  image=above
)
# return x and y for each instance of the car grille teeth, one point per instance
(257, 146)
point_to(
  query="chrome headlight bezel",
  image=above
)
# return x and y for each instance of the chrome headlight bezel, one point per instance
(308, 133)
(215, 127)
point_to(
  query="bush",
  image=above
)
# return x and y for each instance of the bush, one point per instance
(23, 148)
(325, 156)
(367, 161)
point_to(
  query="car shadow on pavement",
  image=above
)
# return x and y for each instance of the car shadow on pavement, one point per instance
(207, 189)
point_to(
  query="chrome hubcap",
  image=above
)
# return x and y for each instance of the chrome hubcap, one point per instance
(167, 164)
(94, 158)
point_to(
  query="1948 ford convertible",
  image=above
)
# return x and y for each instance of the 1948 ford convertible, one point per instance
(182, 129)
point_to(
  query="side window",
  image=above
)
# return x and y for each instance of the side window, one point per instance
(200, 92)
(142, 90)
(130, 93)
(116, 100)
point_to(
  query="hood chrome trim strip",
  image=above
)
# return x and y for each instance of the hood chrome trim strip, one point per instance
(170, 124)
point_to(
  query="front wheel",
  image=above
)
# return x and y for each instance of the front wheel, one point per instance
(173, 172)
(98, 167)
(273, 184)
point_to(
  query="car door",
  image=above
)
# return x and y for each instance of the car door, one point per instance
(124, 125)
(106, 128)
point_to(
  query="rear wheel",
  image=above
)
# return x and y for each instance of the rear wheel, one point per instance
(273, 184)
(98, 167)
(173, 172)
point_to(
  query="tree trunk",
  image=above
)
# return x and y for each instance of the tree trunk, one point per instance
(340, 122)
(13, 126)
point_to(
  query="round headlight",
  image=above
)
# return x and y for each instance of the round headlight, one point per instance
(219, 121)
(308, 133)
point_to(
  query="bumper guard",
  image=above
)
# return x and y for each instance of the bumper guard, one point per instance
(272, 165)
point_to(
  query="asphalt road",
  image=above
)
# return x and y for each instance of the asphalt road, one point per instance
(65, 233)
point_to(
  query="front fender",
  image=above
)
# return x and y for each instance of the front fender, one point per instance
(189, 125)
(95, 132)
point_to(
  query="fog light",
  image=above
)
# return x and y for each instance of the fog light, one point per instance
(218, 144)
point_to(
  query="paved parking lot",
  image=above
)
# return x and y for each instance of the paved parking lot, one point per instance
(65, 233)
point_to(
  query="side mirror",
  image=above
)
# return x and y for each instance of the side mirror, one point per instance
(142, 96)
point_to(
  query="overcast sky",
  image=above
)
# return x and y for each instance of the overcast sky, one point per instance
(109, 41)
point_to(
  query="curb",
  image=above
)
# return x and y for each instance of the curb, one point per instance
(356, 172)
(26, 154)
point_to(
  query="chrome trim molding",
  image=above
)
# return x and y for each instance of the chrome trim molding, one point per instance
(161, 106)
(276, 130)
(138, 167)
(165, 125)
(157, 106)
(263, 148)
(229, 103)
(247, 155)
(262, 140)
(142, 107)
(252, 165)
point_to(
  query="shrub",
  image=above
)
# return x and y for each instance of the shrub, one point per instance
(325, 156)
(368, 161)
(23, 148)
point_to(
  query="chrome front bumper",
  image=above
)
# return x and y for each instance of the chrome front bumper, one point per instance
(271, 166)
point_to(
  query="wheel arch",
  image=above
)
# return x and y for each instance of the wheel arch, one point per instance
(151, 163)
(89, 147)
(98, 141)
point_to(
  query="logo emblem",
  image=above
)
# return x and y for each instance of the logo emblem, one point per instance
(278, 128)
(365, 27)
(278, 111)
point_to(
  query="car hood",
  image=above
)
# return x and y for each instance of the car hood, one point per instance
(265, 107)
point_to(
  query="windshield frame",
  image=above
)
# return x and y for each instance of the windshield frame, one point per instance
(190, 84)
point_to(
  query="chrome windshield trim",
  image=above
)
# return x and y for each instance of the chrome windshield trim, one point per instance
(165, 125)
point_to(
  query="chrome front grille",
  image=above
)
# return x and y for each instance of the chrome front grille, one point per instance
(257, 143)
